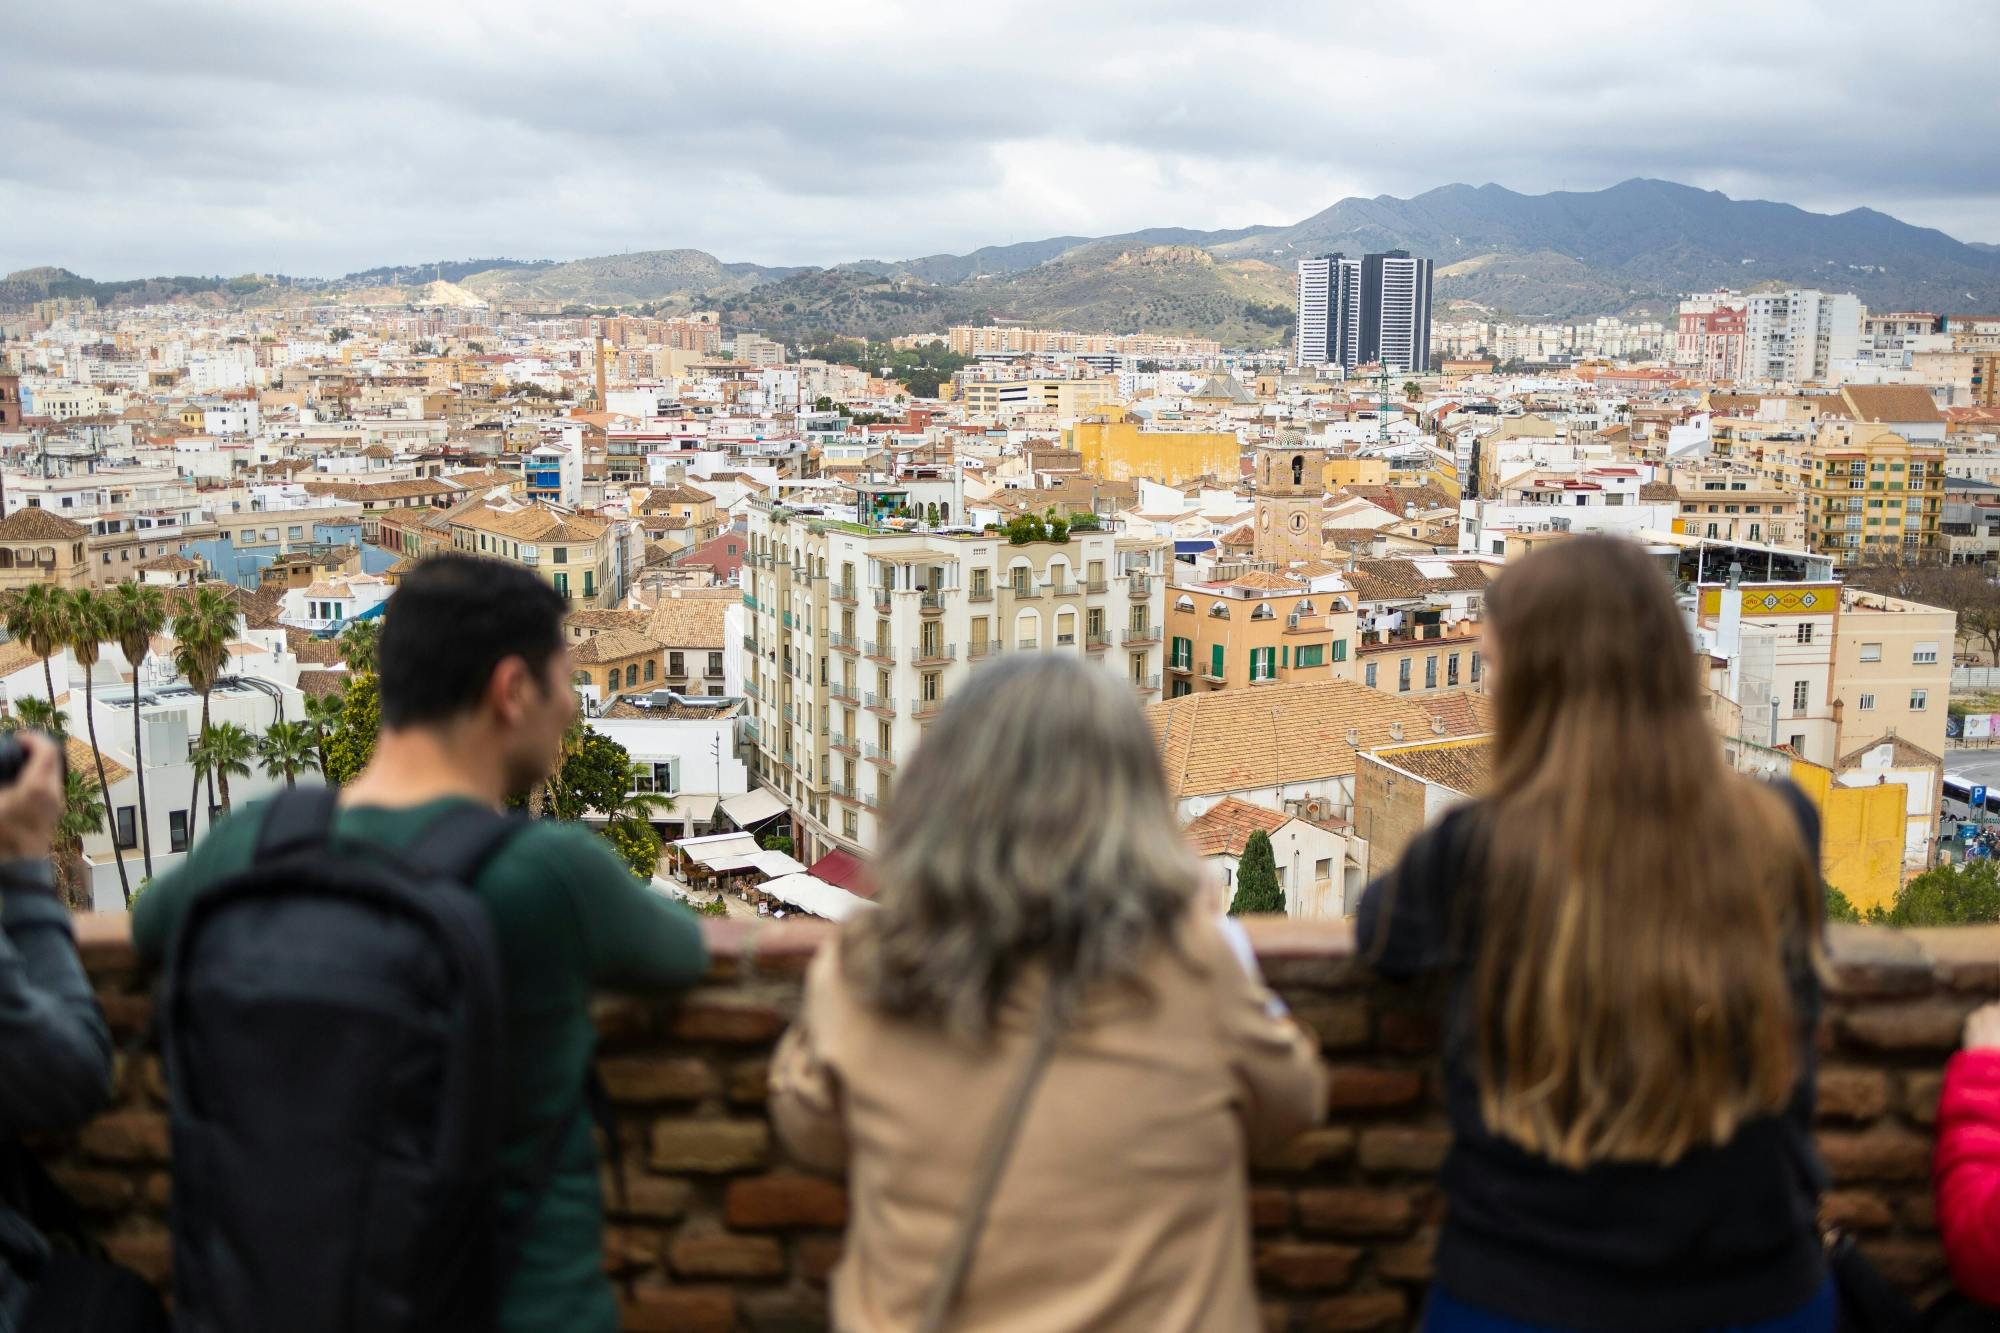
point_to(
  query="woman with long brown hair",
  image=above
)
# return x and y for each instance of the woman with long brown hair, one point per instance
(1628, 932)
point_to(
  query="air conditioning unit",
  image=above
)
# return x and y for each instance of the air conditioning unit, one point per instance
(1292, 620)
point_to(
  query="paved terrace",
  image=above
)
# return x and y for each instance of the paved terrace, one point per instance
(720, 1233)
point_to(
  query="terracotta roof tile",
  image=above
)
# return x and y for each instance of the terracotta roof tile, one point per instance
(39, 525)
(1227, 825)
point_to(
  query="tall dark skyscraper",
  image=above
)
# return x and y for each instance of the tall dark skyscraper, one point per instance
(1353, 312)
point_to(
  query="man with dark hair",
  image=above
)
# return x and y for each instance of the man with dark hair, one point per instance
(474, 681)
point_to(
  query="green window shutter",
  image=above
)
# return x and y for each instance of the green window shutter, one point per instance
(1215, 661)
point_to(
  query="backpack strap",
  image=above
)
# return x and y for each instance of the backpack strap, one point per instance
(298, 819)
(458, 844)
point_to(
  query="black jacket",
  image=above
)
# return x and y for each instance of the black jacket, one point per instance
(55, 1051)
(1725, 1235)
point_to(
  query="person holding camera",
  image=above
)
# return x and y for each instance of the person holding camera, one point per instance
(55, 1051)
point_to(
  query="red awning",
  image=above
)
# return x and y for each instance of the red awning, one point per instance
(840, 868)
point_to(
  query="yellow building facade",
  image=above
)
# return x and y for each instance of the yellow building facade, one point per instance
(1122, 451)
(1262, 629)
(1861, 834)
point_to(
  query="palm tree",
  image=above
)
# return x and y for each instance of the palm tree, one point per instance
(357, 644)
(82, 813)
(323, 714)
(225, 752)
(286, 750)
(201, 648)
(138, 612)
(35, 616)
(89, 623)
(40, 715)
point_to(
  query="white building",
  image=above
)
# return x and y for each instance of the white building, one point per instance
(1794, 336)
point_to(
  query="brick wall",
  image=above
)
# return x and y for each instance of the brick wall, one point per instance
(719, 1233)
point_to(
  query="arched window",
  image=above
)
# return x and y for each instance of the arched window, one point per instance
(1183, 603)
(1263, 612)
(1298, 469)
(650, 664)
(1305, 607)
(1028, 630)
(580, 678)
(631, 675)
(1220, 610)
(1065, 628)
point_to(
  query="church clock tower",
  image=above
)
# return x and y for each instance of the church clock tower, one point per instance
(1291, 490)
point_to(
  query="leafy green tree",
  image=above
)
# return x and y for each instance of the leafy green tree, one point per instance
(82, 814)
(224, 752)
(637, 843)
(1411, 390)
(1966, 894)
(37, 616)
(352, 741)
(1838, 906)
(287, 749)
(340, 335)
(777, 842)
(88, 623)
(1257, 888)
(823, 403)
(138, 612)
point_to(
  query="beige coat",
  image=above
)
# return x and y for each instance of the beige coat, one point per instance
(1124, 1205)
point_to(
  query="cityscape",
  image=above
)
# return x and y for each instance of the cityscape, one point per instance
(815, 411)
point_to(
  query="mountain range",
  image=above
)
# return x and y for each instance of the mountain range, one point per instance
(1630, 249)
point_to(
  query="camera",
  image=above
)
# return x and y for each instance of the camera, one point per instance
(14, 757)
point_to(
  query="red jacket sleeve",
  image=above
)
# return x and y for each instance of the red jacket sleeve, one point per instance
(1967, 1171)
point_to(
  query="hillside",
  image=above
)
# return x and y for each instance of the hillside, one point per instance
(1635, 247)
(1642, 242)
(627, 279)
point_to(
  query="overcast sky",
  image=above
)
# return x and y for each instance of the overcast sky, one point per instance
(210, 136)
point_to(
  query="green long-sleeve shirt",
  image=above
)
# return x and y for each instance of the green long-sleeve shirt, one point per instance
(570, 919)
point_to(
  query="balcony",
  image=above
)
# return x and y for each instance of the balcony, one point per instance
(842, 791)
(750, 688)
(879, 703)
(751, 645)
(1304, 624)
(985, 648)
(845, 744)
(875, 754)
(935, 655)
(1144, 634)
(931, 603)
(790, 716)
(1181, 666)
(844, 594)
(1141, 583)
(980, 595)
(840, 643)
(1024, 590)
(1211, 675)
(843, 692)
(1027, 645)
(1063, 589)
(880, 596)
(1147, 684)
(713, 671)
(878, 652)
(1097, 641)
(1096, 586)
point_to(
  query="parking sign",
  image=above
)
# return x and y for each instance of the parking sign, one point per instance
(1977, 799)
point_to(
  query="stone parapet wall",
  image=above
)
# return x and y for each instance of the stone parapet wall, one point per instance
(718, 1232)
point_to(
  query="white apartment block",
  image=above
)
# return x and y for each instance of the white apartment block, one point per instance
(858, 635)
(1795, 336)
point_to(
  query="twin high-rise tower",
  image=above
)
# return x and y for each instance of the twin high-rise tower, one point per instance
(1354, 312)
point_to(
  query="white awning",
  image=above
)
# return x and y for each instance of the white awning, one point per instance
(689, 808)
(728, 851)
(753, 807)
(815, 896)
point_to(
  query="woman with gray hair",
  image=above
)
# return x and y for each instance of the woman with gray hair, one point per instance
(1042, 1065)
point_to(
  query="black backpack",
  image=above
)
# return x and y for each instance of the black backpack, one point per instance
(331, 1026)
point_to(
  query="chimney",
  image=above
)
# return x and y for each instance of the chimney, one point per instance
(1729, 632)
(1395, 731)
(1353, 737)
(1378, 546)
(1437, 726)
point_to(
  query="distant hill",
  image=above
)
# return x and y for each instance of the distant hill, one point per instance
(1635, 247)
(627, 279)
(1642, 243)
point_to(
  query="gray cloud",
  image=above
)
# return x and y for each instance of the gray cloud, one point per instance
(218, 136)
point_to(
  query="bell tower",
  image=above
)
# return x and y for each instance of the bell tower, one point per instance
(1291, 490)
